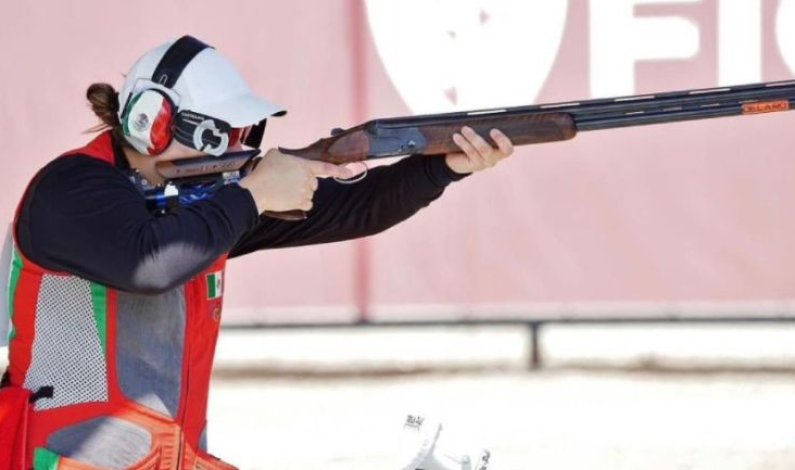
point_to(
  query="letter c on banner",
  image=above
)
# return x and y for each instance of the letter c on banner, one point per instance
(785, 27)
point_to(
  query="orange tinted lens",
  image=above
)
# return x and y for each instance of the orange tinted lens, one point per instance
(239, 134)
(234, 135)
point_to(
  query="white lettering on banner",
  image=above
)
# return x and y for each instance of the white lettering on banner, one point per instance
(619, 40)
(470, 54)
(785, 32)
(739, 42)
(446, 55)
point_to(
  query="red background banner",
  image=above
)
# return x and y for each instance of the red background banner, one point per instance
(697, 212)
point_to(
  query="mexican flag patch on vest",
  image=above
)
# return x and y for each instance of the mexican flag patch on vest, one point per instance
(215, 285)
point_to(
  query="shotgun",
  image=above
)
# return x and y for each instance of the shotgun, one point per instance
(524, 125)
(433, 134)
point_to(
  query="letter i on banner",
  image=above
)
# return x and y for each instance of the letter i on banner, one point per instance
(740, 41)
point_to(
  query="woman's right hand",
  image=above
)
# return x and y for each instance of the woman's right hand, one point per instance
(281, 182)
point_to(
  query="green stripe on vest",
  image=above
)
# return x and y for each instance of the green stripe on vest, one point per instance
(44, 459)
(13, 280)
(99, 300)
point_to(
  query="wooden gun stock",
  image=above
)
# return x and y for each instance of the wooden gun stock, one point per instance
(377, 140)
(524, 125)
(380, 139)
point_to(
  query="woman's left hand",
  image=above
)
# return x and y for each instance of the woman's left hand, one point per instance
(477, 154)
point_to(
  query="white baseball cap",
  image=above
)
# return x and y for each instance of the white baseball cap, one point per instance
(209, 84)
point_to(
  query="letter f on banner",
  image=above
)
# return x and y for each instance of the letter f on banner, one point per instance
(619, 41)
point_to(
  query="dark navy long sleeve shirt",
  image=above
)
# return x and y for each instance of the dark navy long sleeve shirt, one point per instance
(84, 216)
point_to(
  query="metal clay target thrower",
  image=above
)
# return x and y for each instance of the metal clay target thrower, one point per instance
(423, 446)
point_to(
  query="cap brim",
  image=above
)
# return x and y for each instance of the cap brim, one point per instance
(243, 110)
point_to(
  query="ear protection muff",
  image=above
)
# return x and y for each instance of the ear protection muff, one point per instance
(151, 118)
(148, 120)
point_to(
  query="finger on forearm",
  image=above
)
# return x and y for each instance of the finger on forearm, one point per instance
(474, 158)
(464, 144)
(503, 142)
(483, 147)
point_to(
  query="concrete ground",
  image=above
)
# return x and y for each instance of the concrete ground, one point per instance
(610, 398)
(667, 398)
(551, 420)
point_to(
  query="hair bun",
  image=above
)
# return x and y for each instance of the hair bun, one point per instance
(104, 101)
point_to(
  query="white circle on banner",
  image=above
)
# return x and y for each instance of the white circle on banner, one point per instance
(786, 33)
(453, 55)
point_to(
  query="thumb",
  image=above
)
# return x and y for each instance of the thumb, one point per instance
(324, 170)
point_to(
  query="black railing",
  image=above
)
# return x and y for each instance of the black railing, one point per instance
(534, 325)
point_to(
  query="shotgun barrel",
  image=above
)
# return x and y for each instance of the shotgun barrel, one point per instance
(658, 108)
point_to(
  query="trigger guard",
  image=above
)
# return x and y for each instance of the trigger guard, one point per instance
(356, 179)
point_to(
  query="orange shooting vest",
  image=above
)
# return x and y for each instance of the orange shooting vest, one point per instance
(110, 380)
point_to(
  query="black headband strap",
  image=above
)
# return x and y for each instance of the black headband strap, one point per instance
(176, 58)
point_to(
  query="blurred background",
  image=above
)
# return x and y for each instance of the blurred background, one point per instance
(622, 300)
